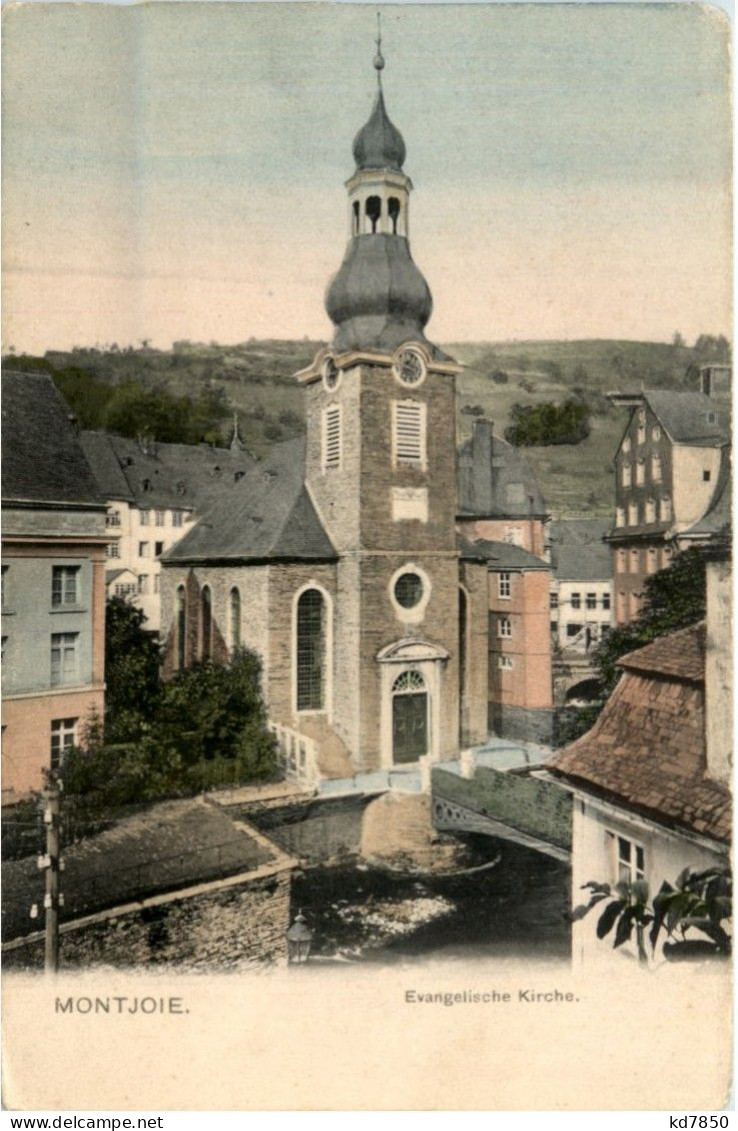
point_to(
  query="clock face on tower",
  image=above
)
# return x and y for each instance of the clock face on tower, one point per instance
(409, 366)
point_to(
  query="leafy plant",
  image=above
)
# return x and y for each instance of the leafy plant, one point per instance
(697, 901)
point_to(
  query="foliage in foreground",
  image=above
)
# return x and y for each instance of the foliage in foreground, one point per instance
(697, 901)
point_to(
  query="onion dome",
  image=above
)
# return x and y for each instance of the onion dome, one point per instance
(379, 144)
(379, 299)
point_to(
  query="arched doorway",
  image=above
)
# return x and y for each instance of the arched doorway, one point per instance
(409, 717)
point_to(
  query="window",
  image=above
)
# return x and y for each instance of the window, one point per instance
(652, 560)
(634, 602)
(706, 476)
(630, 864)
(112, 550)
(373, 209)
(505, 663)
(181, 627)
(656, 468)
(650, 510)
(656, 434)
(620, 562)
(176, 518)
(504, 586)
(622, 605)
(626, 445)
(711, 417)
(143, 549)
(554, 600)
(158, 549)
(641, 425)
(640, 472)
(591, 600)
(112, 518)
(206, 602)
(504, 628)
(64, 647)
(632, 514)
(332, 436)
(310, 651)
(125, 589)
(157, 581)
(576, 600)
(514, 535)
(235, 613)
(64, 585)
(635, 561)
(63, 735)
(393, 210)
(409, 432)
(605, 600)
(573, 629)
(144, 517)
(160, 518)
(625, 475)
(409, 590)
(620, 516)
(665, 509)
(143, 583)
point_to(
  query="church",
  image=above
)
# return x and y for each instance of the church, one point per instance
(341, 558)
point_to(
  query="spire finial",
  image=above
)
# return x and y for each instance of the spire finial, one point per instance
(379, 58)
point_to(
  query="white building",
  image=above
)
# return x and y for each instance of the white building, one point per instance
(581, 583)
(155, 493)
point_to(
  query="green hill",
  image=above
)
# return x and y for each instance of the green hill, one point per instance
(255, 379)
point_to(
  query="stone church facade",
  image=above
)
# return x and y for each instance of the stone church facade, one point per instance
(338, 559)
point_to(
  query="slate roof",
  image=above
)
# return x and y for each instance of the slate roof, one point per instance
(42, 459)
(646, 752)
(152, 474)
(685, 416)
(267, 516)
(165, 847)
(578, 552)
(499, 555)
(495, 480)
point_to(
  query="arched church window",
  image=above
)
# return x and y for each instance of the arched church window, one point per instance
(393, 209)
(235, 618)
(357, 217)
(408, 682)
(207, 623)
(373, 209)
(311, 636)
(181, 627)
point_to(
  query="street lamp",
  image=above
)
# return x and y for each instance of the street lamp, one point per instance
(299, 938)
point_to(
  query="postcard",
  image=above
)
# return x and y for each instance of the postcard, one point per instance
(366, 584)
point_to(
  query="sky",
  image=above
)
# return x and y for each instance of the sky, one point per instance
(176, 170)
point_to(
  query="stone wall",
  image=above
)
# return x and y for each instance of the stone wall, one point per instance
(227, 927)
(539, 808)
(311, 830)
(525, 724)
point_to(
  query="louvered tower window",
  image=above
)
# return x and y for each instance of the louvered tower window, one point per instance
(409, 432)
(332, 436)
(311, 651)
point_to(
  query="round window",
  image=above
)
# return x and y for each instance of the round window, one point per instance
(408, 590)
(410, 366)
(331, 373)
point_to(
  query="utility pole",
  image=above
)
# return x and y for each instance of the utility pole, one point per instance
(52, 864)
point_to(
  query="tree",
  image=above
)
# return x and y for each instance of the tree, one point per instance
(700, 901)
(548, 423)
(132, 659)
(674, 598)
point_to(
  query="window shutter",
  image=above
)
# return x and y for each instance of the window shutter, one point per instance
(409, 447)
(332, 437)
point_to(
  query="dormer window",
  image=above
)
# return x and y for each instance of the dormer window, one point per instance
(641, 425)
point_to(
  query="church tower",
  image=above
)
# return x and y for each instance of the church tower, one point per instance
(381, 472)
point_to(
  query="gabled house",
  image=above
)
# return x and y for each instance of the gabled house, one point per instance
(53, 583)
(581, 582)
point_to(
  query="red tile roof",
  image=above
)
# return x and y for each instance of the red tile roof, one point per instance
(646, 752)
(680, 655)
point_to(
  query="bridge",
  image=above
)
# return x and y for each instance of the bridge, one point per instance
(511, 805)
(574, 677)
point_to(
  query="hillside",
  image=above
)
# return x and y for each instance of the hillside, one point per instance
(254, 379)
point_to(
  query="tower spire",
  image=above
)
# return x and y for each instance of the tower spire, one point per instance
(379, 57)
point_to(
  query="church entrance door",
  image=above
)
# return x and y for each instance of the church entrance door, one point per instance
(409, 717)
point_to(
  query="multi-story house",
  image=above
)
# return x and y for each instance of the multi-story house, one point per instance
(155, 492)
(53, 584)
(581, 583)
(666, 470)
